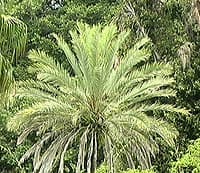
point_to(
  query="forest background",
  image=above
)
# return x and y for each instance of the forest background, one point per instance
(174, 29)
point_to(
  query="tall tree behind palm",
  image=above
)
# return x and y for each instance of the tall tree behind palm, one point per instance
(13, 34)
(102, 108)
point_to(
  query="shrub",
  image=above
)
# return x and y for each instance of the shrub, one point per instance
(190, 162)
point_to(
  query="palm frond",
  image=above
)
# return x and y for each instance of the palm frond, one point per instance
(6, 78)
(13, 34)
(102, 106)
(52, 72)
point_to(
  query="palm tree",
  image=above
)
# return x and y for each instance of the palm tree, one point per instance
(13, 35)
(101, 109)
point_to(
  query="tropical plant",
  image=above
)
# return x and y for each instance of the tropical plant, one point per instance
(9, 153)
(13, 34)
(174, 22)
(139, 171)
(104, 169)
(105, 108)
(189, 162)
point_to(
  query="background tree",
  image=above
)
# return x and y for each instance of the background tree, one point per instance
(42, 20)
(190, 161)
(171, 26)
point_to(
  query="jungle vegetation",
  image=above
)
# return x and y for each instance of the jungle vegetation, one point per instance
(99, 86)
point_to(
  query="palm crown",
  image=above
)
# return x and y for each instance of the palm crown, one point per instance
(102, 107)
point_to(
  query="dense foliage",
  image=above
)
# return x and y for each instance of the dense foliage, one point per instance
(189, 162)
(104, 169)
(138, 171)
(173, 27)
(13, 34)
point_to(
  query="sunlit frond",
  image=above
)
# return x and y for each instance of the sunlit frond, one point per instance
(13, 35)
(6, 78)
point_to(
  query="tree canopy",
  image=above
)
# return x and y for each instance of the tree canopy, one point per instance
(139, 59)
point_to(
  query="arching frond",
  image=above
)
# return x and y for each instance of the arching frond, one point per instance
(6, 78)
(13, 35)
